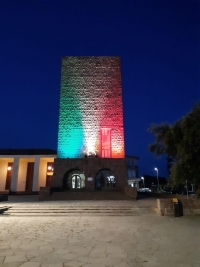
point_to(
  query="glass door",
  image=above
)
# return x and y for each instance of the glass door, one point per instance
(76, 181)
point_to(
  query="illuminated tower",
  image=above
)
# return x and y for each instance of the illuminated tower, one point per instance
(91, 113)
(90, 151)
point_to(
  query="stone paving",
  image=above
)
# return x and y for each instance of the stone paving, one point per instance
(140, 240)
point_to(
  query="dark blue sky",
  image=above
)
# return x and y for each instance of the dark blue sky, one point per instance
(158, 42)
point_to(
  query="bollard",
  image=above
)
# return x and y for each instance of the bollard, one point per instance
(178, 210)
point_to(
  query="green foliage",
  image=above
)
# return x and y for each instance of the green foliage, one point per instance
(182, 142)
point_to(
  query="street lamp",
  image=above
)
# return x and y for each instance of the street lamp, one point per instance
(156, 169)
(142, 178)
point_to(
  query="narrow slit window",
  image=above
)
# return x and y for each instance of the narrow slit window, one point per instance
(106, 143)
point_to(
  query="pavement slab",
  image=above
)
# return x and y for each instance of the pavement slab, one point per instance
(30, 264)
(15, 258)
(52, 265)
(12, 264)
(2, 259)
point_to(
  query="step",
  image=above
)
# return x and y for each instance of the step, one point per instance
(66, 212)
(78, 212)
(70, 215)
(92, 195)
(70, 209)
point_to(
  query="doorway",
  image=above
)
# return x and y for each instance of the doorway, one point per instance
(73, 179)
(104, 179)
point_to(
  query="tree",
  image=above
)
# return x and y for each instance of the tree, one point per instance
(181, 142)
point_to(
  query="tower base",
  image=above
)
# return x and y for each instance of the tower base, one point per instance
(90, 169)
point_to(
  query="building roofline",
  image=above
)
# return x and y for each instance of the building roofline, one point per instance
(28, 151)
(133, 157)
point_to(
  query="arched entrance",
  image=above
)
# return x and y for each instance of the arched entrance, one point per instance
(73, 179)
(104, 179)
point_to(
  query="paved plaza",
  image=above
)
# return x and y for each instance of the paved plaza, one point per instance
(143, 239)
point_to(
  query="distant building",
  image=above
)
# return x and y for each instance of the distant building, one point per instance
(132, 171)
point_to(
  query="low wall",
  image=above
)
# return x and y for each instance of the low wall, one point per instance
(165, 207)
(47, 193)
(5, 192)
(131, 192)
(44, 193)
(160, 195)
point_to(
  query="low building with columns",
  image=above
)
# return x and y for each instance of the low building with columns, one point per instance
(25, 170)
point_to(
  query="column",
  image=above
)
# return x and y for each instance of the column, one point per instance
(14, 178)
(36, 174)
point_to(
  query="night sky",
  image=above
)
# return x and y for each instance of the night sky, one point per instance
(158, 42)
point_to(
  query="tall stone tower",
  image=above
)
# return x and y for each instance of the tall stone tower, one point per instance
(90, 119)
(91, 114)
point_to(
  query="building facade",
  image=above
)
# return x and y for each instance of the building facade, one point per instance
(132, 171)
(25, 170)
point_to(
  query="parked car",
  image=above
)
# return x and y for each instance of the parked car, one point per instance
(146, 190)
(166, 191)
(139, 190)
(177, 191)
(190, 193)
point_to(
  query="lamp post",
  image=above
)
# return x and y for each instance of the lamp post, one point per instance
(142, 178)
(156, 169)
